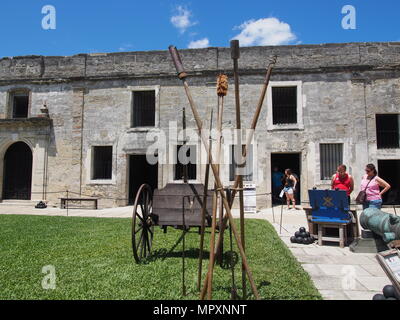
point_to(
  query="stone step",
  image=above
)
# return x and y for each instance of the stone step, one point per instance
(24, 203)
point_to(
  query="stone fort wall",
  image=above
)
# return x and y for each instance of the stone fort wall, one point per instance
(89, 97)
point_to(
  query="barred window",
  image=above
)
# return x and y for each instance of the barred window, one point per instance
(284, 105)
(331, 156)
(185, 160)
(247, 170)
(387, 131)
(144, 106)
(102, 163)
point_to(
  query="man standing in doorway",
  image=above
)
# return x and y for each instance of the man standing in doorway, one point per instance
(343, 181)
(276, 183)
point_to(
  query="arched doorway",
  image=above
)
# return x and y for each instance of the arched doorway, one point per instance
(17, 172)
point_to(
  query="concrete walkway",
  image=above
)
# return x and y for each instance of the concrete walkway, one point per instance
(120, 212)
(337, 273)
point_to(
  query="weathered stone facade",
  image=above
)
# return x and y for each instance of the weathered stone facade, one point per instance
(89, 96)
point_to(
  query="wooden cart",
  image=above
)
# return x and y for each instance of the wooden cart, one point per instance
(176, 205)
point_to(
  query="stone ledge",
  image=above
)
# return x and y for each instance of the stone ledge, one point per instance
(291, 59)
(26, 122)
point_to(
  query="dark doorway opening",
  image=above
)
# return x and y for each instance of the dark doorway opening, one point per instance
(17, 172)
(140, 172)
(389, 170)
(284, 161)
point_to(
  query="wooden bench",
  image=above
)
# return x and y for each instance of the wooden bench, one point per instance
(64, 201)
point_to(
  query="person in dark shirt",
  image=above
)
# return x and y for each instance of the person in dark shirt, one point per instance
(276, 182)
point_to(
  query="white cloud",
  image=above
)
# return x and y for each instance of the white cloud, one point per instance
(126, 47)
(182, 19)
(266, 31)
(202, 43)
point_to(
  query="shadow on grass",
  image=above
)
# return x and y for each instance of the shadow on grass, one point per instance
(163, 254)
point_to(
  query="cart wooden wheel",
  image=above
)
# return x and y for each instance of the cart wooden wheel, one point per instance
(142, 223)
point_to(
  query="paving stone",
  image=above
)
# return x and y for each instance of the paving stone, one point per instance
(296, 245)
(374, 270)
(323, 251)
(341, 269)
(360, 295)
(312, 269)
(333, 295)
(346, 251)
(374, 283)
(304, 258)
(333, 283)
(297, 251)
(355, 259)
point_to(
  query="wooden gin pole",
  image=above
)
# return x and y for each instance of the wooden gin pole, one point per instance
(222, 89)
(235, 54)
(204, 209)
(182, 75)
(249, 139)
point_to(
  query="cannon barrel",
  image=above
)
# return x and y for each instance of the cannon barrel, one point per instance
(382, 223)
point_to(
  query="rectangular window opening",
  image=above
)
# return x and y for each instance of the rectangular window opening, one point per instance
(247, 170)
(20, 106)
(185, 159)
(284, 105)
(331, 156)
(387, 131)
(144, 108)
(102, 163)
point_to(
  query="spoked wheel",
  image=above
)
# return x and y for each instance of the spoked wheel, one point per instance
(142, 223)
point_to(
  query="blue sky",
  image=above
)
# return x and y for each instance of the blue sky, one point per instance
(88, 26)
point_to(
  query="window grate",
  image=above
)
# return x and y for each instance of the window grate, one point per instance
(185, 159)
(144, 106)
(284, 105)
(331, 156)
(387, 131)
(247, 170)
(102, 163)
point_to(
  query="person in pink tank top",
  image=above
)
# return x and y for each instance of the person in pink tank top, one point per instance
(372, 185)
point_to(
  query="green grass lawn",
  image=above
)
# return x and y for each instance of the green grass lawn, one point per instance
(93, 260)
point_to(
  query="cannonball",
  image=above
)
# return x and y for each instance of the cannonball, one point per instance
(303, 234)
(379, 297)
(299, 240)
(302, 229)
(297, 234)
(293, 239)
(308, 234)
(389, 291)
(310, 240)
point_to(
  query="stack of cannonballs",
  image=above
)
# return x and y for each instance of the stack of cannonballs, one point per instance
(41, 205)
(389, 293)
(302, 236)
